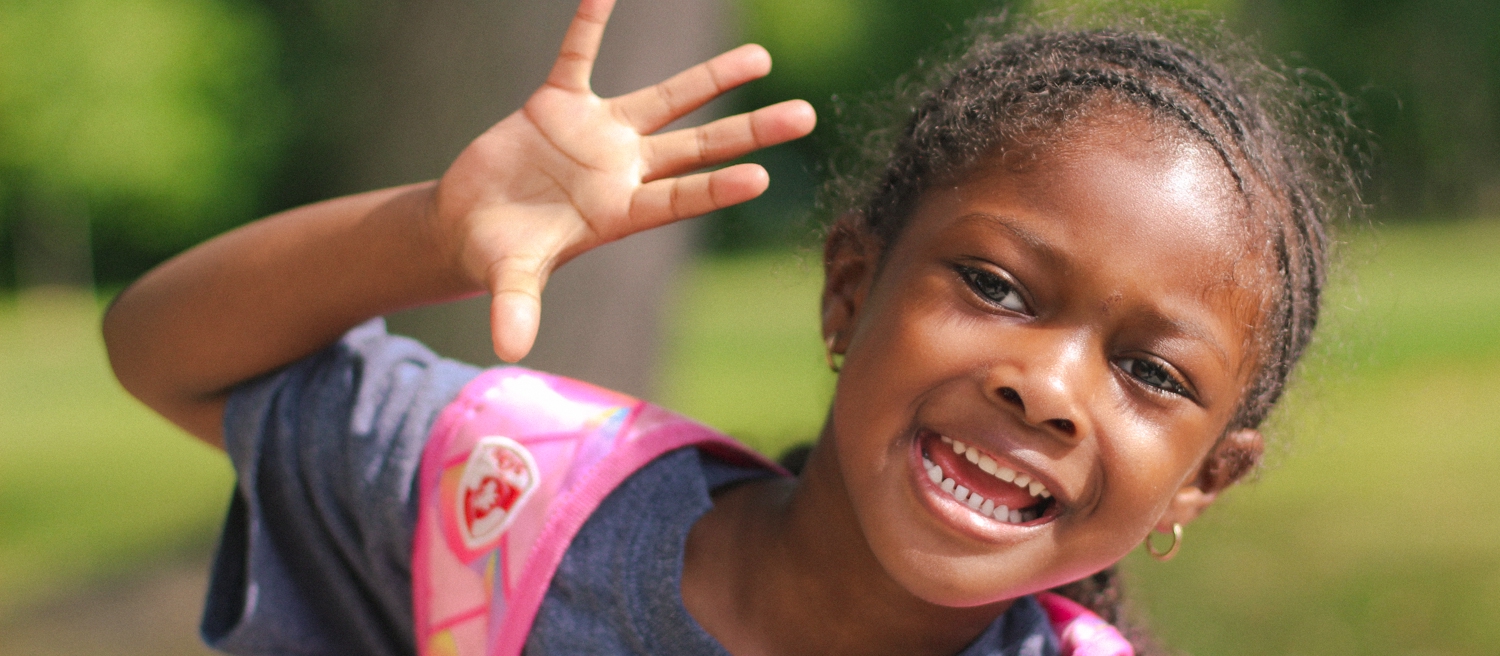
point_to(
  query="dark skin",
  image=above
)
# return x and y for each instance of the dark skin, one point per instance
(1033, 312)
(1073, 318)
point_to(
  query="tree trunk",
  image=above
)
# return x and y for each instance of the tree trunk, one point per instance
(448, 69)
(51, 242)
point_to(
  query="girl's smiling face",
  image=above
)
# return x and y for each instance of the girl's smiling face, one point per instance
(1086, 322)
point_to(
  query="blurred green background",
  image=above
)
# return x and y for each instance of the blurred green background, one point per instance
(130, 129)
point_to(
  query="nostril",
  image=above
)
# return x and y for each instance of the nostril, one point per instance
(1012, 396)
(1064, 425)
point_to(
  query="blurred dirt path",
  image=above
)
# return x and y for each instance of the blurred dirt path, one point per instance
(154, 613)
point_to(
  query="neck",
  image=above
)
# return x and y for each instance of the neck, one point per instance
(782, 567)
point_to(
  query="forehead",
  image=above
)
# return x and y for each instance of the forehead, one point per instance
(1121, 173)
(1122, 205)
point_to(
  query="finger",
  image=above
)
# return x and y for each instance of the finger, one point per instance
(516, 308)
(575, 60)
(664, 201)
(681, 151)
(648, 109)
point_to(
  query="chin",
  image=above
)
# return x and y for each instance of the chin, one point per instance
(945, 573)
(961, 582)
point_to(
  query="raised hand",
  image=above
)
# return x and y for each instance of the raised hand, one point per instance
(571, 171)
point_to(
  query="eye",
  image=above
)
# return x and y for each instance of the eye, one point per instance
(1154, 374)
(993, 288)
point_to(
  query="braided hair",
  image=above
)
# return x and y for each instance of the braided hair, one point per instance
(1285, 140)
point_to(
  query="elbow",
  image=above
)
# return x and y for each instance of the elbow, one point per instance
(143, 339)
(123, 354)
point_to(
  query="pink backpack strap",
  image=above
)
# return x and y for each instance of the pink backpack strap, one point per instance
(512, 469)
(1079, 631)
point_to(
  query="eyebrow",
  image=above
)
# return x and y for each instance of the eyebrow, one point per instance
(1044, 248)
(1192, 330)
(1047, 251)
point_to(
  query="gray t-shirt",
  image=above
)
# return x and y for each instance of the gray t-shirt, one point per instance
(315, 556)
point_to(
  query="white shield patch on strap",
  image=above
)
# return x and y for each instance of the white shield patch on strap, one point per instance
(498, 479)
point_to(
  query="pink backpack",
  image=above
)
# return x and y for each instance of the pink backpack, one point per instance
(513, 468)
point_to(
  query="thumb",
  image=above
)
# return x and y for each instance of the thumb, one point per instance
(516, 309)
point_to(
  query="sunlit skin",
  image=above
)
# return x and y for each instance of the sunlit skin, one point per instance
(1087, 315)
(1081, 310)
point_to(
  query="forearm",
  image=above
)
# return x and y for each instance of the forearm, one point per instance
(272, 292)
(567, 173)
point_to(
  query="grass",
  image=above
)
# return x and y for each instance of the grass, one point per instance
(1377, 532)
(1374, 532)
(92, 485)
(745, 354)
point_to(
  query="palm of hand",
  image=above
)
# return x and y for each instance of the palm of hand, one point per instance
(550, 181)
(571, 171)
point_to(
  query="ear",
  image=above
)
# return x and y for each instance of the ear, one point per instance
(850, 256)
(1230, 460)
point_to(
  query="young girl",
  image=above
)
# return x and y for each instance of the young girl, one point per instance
(1058, 314)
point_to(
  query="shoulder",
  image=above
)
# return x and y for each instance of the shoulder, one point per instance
(367, 384)
(326, 451)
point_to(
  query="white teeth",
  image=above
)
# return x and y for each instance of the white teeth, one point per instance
(988, 465)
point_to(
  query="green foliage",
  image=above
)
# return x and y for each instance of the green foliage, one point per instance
(1375, 533)
(1424, 77)
(842, 55)
(744, 352)
(831, 53)
(1427, 77)
(92, 484)
(170, 120)
(1371, 533)
(163, 116)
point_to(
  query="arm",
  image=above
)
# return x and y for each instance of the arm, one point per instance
(566, 173)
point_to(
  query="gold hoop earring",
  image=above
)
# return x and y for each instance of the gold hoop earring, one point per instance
(1171, 551)
(833, 365)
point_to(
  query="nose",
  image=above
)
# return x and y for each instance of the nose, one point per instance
(1045, 380)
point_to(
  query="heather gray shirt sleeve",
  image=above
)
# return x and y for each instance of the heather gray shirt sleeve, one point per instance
(316, 552)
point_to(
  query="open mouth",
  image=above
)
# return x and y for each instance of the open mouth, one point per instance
(982, 482)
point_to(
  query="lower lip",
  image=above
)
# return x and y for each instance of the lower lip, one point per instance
(957, 515)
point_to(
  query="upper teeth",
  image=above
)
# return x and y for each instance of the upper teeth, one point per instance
(988, 465)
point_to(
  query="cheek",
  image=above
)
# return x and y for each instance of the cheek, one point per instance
(883, 377)
(912, 340)
(913, 329)
(1144, 467)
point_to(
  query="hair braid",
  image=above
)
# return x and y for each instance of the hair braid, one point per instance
(1289, 163)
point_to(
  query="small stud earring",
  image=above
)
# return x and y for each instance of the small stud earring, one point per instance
(1171, 551)
(833, 365)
